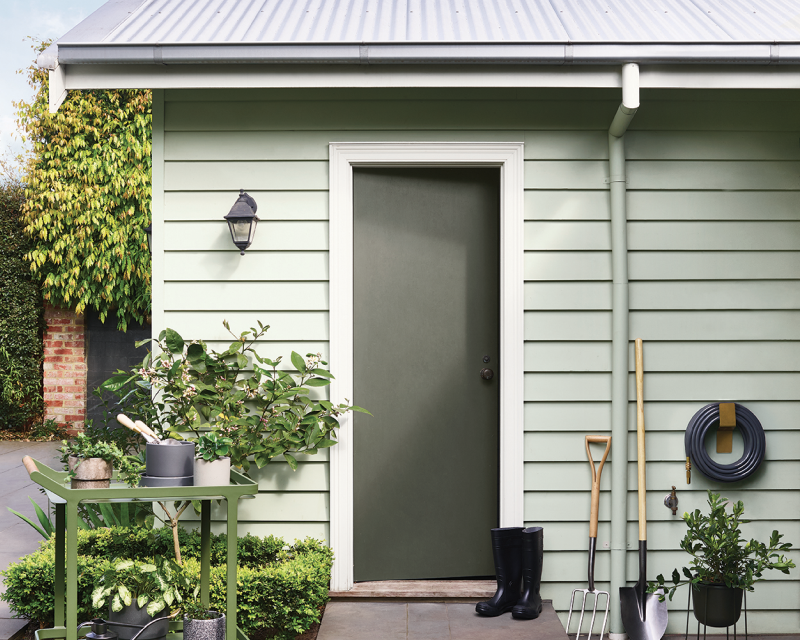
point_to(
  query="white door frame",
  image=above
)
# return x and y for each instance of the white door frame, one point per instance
(508, 156)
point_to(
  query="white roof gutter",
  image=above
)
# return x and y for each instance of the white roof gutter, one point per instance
(734, 53)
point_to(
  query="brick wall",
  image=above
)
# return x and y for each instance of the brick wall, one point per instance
(65, 367)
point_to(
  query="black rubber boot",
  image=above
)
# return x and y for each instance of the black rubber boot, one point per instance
(530, 602)
(507, 552)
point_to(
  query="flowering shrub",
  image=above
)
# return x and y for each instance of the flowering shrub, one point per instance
(185, 387)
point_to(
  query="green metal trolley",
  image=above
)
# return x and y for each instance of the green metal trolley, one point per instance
(57, 486)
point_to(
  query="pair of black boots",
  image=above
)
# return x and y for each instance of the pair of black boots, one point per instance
(518, 555)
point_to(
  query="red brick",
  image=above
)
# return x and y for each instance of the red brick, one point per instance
(52, 404)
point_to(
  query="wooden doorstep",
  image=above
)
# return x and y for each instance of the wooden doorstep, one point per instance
(418, 591)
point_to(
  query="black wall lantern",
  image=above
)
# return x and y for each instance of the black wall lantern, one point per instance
(242, 221)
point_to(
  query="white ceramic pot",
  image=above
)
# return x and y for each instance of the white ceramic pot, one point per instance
(212, 474)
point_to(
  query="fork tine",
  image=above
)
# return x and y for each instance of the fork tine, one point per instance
(571, 602)
(605, 617)
(594, 614)
(583, 609)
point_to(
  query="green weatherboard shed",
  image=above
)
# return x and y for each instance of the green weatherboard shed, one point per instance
(440, 183)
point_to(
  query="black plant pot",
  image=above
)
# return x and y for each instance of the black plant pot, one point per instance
(132, 614)
(716, 605)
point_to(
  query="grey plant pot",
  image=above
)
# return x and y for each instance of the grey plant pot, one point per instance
(204, 629)
(170, 461)
(132, 614)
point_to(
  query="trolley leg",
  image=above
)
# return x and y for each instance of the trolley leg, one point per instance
(233, 516)
(60, 566)
(205, 551)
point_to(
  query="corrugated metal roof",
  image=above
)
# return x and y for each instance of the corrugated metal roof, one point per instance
(543, 32)
(465, 21)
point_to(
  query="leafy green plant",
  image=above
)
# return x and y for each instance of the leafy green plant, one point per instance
(21, 318)
(196, 610)
(129, 468)
(87, 197)
(102, 515)
(212, 446)
(264, 410)
(279, 592)
(47, 527)
(720, 555)
(156, 584)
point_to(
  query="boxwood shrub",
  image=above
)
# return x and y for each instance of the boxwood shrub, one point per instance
(280, 590)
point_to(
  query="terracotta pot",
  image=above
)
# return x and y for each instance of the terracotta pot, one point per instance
(716, 605)
(216, 473)
(213, 629)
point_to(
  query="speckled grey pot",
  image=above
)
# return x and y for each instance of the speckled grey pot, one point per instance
(90, 468)
(204, 629)
(90, 473)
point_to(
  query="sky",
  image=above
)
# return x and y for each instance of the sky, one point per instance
(21, 20)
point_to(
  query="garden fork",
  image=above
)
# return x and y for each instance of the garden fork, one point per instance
(592, 546)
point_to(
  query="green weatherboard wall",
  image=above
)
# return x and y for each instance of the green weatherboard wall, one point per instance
(714, 239)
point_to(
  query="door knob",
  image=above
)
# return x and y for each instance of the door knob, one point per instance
(487, 374)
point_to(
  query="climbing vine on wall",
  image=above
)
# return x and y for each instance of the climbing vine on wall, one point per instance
(21, 319)
(87, 198)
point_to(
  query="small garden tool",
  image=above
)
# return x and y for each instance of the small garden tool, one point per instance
(592, 545)
(644, 617)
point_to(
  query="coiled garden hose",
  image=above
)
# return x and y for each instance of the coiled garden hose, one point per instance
(755, 444)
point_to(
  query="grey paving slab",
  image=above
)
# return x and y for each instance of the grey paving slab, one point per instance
(16, 537)
(364, 621)
(431, 621)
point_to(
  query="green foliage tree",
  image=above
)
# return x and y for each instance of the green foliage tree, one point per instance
(21, 318)
(87, 198)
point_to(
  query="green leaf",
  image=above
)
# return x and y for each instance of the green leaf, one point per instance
(361, 410)
(125, 595)
(324, 443)
(30, 522)
(292, 461)
(298, 362)
(142, 600)
(241, 360)
(155, 606)
(174, 341)
(317, 382)
(147, 568)
(123, 564)
(116, 604)
(195, 353)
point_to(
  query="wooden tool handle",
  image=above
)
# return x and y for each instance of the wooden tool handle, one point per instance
(30, 465)
(640, 451)
(125, 421)
(143, 428)
(596, 480)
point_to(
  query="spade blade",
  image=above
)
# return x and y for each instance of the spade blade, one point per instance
(648, 622)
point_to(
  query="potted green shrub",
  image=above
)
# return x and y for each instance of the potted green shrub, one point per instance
(212, 465)
(91, 462)
(723, 564)
(200, 622)
(137, 592)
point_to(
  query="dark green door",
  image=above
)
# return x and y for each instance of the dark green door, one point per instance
(426, 315)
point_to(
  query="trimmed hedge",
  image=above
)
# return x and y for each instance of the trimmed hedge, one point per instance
(280, 590)
(21, 320)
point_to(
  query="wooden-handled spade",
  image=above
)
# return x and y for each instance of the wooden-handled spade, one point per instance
(138, 427)
(593, 518)
(644, 617)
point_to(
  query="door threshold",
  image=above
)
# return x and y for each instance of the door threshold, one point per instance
(418, 591)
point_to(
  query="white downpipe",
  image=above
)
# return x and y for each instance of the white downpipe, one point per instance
(619, 369)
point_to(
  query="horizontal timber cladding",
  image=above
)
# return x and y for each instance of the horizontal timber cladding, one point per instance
(714, 267)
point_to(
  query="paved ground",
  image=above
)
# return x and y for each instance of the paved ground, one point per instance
(431, 621)
(19, 538)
